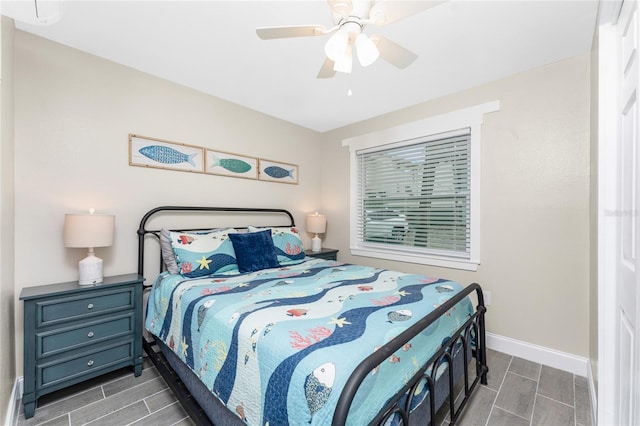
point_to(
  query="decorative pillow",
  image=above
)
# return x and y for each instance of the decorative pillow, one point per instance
(287, 242)
(254, 251)
(199, 254)
(168, 256)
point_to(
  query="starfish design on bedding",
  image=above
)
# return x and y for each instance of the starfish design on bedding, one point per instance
(340, 322)
(184, 346)
(204, 263)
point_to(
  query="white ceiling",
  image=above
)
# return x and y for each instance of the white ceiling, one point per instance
(211, 46)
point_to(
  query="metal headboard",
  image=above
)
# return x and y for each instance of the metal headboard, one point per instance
(143, 231)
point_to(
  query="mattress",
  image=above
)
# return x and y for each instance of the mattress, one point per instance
(276, 346)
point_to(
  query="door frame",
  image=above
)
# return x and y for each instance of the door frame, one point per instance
(607, 210)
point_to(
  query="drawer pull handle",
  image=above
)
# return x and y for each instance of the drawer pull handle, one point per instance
(90, 306)
(90, 363)
(90, 335)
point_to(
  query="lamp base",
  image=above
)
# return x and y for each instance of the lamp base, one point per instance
(90, 270)
(316, 243)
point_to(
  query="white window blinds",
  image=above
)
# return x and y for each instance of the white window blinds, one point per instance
(416, 196)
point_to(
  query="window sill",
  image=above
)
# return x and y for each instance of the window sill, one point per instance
(443, 262)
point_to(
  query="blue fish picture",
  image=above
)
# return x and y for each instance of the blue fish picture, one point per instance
(166, 155)
(278, 172)
(163, 154)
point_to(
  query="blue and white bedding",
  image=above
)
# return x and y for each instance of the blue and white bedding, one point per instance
(276, 346)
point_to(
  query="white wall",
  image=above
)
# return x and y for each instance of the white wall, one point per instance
(7, 360)
(534, 202)
(73, 114)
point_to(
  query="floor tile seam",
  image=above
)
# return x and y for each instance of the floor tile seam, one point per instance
(498, 391)
(150, 413)
(555, 400)
(180, 420)
(523, 376)
(124, 378)
(507, 411)
(48, 420)
(138, 385)
(67, 397)
(535, 396)
(101, 400)
(115, 394)
(108, 414)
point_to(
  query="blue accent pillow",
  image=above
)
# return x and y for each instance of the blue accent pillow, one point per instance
(287, 243)
(254, 251)
(201, 254)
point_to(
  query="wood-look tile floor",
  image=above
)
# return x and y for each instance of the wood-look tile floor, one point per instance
(518, 392)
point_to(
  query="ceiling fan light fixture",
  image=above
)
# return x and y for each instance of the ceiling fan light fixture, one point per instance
(366, 49)
(337, 45)
(345, 62)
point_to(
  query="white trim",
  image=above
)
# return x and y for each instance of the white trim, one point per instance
(13, 409)
(607, 165)
(466, 265)
(471, 118)
(550, 357)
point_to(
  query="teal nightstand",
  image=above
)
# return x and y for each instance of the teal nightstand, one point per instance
(324, 253)
(73, 333)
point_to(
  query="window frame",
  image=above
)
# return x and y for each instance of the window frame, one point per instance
(439, 126)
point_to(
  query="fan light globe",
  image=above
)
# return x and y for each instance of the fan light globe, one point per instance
(337, 45)
(366, 49)
(345, 62)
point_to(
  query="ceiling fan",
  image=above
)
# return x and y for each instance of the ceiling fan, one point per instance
(350, 18)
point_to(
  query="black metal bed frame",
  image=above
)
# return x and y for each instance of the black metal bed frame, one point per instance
(470, 338)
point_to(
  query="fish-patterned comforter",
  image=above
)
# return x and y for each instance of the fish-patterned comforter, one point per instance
(277, 346)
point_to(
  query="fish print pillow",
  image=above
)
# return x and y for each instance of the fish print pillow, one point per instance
(202, 254)
(288, 245)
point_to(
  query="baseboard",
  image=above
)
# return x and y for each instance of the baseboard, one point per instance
(593, 394)
(14, 409)
(551, 357)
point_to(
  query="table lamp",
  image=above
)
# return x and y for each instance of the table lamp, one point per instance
(316, 223)
(89, 231)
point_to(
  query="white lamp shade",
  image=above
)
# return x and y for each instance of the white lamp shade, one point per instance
(366, 50)
(337, 45)
(316, 223)
(344, 63)
(88, 230)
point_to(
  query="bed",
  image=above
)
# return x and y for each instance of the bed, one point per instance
(248, 330)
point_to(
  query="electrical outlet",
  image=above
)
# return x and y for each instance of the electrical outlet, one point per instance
(487, 297)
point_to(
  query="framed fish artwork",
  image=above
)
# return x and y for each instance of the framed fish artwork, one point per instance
(276, 171)
(227, 164)
(162, 154)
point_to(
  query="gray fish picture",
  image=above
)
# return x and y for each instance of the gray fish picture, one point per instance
(166, 155)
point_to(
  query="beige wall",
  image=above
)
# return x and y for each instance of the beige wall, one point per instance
(74, 112)
(7, 357)
(534, 202)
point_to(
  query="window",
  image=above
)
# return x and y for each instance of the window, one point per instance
(415, 190)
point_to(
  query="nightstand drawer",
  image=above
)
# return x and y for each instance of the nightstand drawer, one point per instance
(53, 311)
(101, 357)
(64, 339)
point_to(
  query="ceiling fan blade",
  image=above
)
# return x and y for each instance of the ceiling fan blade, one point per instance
(393, 52)
(268, 33)
(341, 7)
(387, 11)
(327, 70)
